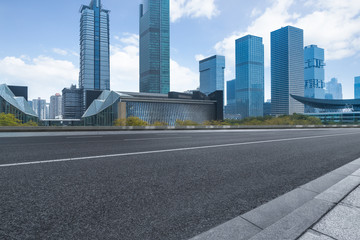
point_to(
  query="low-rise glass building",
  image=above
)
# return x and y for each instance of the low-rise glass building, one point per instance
(17, 106)
(151, 108)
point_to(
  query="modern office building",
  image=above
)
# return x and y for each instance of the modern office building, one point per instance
(20, 91)
(55, 109)
(287, 70)
(155, 46)
(334, 110)
(314, 74)
(11, 104)
(267, 108)
(212, 74)
(249, 84)
(94, 48)
(72, 102)
(334, 88)
(39, 107)
(152, 107)
(357, 87)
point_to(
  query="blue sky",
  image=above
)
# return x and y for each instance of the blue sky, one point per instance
(40, 39)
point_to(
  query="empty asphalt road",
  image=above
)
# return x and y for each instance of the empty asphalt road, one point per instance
(155, 185)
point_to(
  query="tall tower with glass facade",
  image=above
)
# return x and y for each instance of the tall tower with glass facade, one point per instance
(94, 47)
(155, 46)
(287, 70)
(212, 74)
(314, 74)
(249, 83)
(357, 87)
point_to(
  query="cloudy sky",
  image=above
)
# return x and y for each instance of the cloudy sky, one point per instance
(40, 39)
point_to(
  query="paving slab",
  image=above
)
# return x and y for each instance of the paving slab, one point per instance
(337, 192)
(353, 199)
(312, 235)
(357, 161)
(278, 208)
(356, 173)
(321, 184)
(236, 229)
(297, 222)
(348, 169)
(341, 223)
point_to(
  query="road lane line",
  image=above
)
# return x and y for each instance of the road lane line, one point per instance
(170, 150)
(84, 137)
(143, 139)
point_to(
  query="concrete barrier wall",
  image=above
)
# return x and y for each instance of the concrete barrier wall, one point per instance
(79, 129)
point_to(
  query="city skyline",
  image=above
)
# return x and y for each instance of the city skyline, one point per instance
(53, 56)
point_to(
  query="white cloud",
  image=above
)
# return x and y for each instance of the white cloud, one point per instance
(46, 76)
(182, 78)
(333, 25)
(199, 57)
(60, 51)
(43, 75)
(124, 60)
(192, 9)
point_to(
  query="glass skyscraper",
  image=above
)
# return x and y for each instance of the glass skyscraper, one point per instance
(249, 83)
(287, 70)
(314, 74)
(334, 89)
(94, 47)
(357, 87)
(155, 46)
(212, 74)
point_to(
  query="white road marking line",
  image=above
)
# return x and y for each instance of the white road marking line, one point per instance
(170, 150)
(84, 137)
(143, 139)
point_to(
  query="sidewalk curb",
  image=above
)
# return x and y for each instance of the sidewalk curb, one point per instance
(290, 215)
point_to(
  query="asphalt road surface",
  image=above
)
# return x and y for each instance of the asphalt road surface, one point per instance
(155, 185)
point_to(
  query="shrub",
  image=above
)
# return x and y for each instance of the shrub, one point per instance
(130, 121)
(185, 123)
(11, 120)
(160, 124)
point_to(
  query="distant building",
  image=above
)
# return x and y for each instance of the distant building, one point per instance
(334, 88)
(155, 46)
(230, 107)
(72, 102)
(94, 48)
(212, 74)
(357, 87)
(17, 105)
(267, 108)
(287, 70)
(55, 111)
(151, 107)
(249, 84)
(314, 74)
(39, 107)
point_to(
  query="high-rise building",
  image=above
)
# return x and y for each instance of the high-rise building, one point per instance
(72, 102)
(287, 70)
(357, 87)
(334, 88)
(55, 109)
(94, 48)
(230, 108)
(155, 46)
(249, 84)
(314, 74)
(212, 74)
(39, 107)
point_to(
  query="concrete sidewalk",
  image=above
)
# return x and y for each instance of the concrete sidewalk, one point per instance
(327, 208)
(341, 223)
